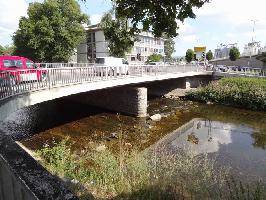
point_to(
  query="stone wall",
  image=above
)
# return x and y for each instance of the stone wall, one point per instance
(23, 178)
(128, 100)
(243, 61)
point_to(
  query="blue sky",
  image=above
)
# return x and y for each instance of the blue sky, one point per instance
(221, 21)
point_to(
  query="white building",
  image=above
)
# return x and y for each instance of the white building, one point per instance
(223, 50)
(252, 48)
(96, 46)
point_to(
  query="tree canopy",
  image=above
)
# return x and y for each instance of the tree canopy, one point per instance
(160, 16)
(2, 50)
(116, 32)
(169, 47)
(51, 32)
(155, 58)
(6, 50)
(189, 55)
(209, 55)
(234, 54)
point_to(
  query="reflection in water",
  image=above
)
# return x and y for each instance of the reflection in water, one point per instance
(259, 140)
(231, 144)
(201, 136)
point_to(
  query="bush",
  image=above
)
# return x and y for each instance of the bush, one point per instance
(239, 92)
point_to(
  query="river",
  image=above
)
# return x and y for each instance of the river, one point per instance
(235, 137)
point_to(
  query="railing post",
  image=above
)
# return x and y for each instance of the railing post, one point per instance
(9, 83)
(49, 79)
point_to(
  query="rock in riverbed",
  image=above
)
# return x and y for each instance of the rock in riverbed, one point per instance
(156, 117)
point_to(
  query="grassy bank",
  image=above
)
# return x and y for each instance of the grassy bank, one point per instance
(243, 92)
(101, 174)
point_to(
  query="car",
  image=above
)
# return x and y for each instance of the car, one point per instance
(21, 69)
(221, 68)
(243, 68)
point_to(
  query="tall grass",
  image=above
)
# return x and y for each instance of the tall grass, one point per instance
(155, 174)
(241, 92)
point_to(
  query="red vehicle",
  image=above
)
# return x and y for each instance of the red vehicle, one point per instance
(21, 69)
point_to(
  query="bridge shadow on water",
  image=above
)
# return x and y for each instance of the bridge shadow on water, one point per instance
(34, 119)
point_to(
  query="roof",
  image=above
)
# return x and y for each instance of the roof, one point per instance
(12, 57)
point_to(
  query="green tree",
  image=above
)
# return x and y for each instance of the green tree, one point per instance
(155, 58)
(234, 54)
(160, 16)
(189, 55)
(6, 50)
(51, 32)
(169, 47)
(209, 55)
(2, 50)
(116, 32)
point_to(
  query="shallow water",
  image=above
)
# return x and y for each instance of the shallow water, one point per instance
(235, 137)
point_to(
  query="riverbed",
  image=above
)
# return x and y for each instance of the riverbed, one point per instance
(234, 137)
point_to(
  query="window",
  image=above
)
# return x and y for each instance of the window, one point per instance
(13, 63)
(89, 48)
(93, 37)
(89, 38)
(30, 64)
(99, 60)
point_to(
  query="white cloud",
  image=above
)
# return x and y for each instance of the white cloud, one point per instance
(185, 29)
(223, 21)
(189, 38)
(95, 19)
(10, 13)
(235, 11)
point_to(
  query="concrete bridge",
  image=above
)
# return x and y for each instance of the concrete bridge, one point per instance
(21, 177)
(61, 82)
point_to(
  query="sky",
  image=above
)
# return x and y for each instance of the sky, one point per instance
(220, 21)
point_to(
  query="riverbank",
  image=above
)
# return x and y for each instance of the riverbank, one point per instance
(241, 92)
(101, 174)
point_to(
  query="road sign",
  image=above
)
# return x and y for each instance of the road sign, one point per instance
(199, 49)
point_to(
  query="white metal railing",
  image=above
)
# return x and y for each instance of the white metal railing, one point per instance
(257, 72)
(21, 81)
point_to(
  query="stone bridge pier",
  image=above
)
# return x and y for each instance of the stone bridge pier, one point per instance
(128, 100)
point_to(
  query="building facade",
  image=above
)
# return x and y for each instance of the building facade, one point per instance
(96, 46)
(223, 50)
(252, 48)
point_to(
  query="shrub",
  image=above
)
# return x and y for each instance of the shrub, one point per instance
(240, 92)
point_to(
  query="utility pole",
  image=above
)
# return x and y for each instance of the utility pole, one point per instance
(253, 29)
(252, 42)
